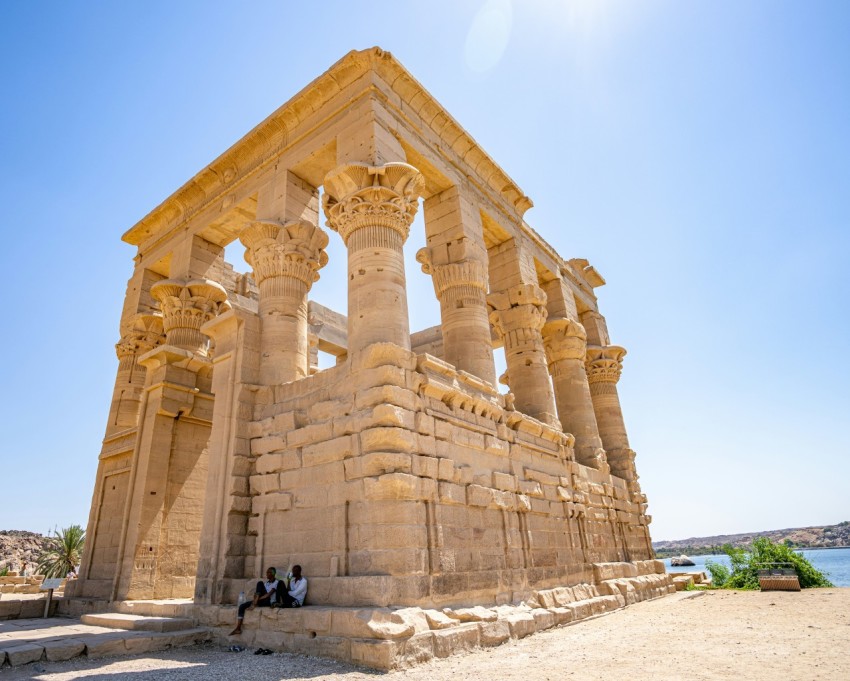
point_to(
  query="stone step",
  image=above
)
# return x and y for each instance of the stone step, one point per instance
(165, 607)
(118, 620)
(55, 648)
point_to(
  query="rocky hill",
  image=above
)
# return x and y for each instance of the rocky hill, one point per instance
(802, 537)
(17, 546)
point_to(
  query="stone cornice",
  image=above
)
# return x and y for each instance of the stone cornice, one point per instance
(271, 137)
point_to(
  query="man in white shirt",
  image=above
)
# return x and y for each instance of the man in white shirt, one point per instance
(264, 596)
(294, 596)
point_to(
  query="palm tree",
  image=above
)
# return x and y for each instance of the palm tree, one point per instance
(62, 552)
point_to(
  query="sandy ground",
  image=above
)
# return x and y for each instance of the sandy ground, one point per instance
(691, 635)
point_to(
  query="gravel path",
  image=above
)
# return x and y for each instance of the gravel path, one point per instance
(696, 636)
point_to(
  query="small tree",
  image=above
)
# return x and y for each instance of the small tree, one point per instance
(745, 566)
(62, 552)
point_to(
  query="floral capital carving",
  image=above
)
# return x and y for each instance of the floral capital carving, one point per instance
(144, 334)
(564, 339)
(294, 249)
(522, 307)
(466, 273)
(186, 306)
(604, 364)
(359, 195)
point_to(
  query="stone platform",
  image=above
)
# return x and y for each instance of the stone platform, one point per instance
(395, 638)
(29, 640)
(382, 638)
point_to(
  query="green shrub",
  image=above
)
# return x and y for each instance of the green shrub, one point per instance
(745, 566)
(719, 573)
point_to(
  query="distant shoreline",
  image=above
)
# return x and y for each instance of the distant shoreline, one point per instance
(673, 554)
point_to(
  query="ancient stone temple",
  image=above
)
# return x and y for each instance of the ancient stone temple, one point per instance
(401, 479)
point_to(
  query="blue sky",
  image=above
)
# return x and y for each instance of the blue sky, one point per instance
(697, 153)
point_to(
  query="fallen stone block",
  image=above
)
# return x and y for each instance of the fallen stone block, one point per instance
(562, 615)
(438, 620)
(374, 653)
(418, 649)
(521, 624)
(543, 619)
(581, 610)
(450, 641)
(475, 614)
(493, 633)
(377, 623)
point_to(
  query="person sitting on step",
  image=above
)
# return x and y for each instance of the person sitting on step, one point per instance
(264, 596)
(294, 595)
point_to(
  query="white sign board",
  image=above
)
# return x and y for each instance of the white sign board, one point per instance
(51, 584)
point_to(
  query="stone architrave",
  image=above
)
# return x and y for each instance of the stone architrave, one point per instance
(566, 342)
(143, 334)
(461, 288)
(286, 260)
(186, 307)
(604, 364)
(518, 315)
(372, 207)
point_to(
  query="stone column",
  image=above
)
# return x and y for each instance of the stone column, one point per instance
(143, 334)
(566, 346)
(604, 364)
(285, 260)
(186, 306)
(461, 288)
(518, 314)
(372, 208)
(158, 549)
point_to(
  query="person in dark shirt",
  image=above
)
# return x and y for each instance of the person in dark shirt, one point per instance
(264, 596)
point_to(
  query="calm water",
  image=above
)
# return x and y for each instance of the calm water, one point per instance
(834, 562)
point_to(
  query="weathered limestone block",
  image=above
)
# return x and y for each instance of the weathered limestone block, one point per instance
(375, 654)
(458, 639)
(63, 649)
(521, 624)
(372, 623)
(23, 653)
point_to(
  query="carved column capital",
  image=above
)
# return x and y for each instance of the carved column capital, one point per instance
(468, 274)
(521, 307)
(564, 339)
(186, 306)
(143, 333)
(358, 195)
(604, 364)
(294, 249)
